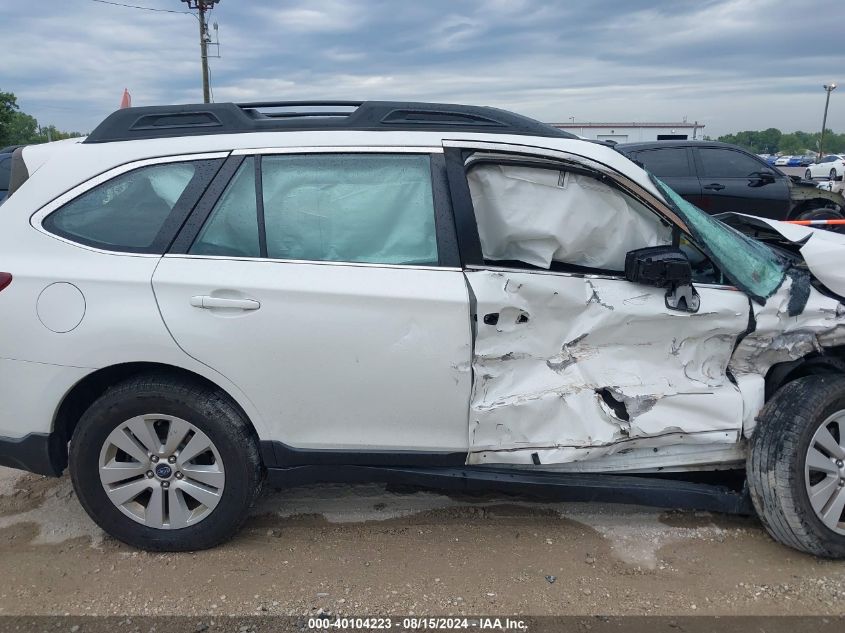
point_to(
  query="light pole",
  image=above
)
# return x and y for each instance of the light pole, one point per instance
(828, 89)
(202, 6)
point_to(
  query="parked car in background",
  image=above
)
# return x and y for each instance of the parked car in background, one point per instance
(831, 166)
(783, 161)
(718, 178)
(5, 174)
(801, 160)
(771, 159)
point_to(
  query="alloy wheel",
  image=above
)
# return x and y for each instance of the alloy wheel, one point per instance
(824, 472)
(161, 471)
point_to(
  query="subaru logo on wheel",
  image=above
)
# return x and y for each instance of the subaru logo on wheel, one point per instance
(163, 471)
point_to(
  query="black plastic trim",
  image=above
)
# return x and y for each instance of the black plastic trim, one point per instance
(573, 487)
(282, 455)
(41, 453)
(465, 225)
(444, 220)
(259, 206)
(230, 118)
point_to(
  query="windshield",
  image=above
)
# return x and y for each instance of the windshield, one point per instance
(750, 265)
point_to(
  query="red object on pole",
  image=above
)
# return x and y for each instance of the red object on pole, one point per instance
(126, 102)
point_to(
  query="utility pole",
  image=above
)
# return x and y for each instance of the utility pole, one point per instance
(828, 89)
(202, 6)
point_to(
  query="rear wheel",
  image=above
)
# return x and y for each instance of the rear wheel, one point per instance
(165, 464)
(796, 465)
(808, 175)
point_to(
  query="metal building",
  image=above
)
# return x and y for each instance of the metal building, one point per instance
(633, 132)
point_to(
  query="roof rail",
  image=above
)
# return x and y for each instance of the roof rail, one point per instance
(283, 116)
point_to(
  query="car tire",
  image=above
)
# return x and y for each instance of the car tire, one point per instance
(808, 175)
(175, 510)
(824, 213)
(782, 465)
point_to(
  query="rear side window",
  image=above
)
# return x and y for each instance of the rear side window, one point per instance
(726, 163)
(232, 228)
(129, 212)
(367, 208)
(5, 172)
(668, 162)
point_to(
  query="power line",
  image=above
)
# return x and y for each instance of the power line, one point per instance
(135, 6)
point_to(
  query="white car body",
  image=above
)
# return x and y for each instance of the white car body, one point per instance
(782, 161)
(831, 164)
(477, 360)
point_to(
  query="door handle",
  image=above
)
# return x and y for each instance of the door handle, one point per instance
(715, 186)
(207, 302)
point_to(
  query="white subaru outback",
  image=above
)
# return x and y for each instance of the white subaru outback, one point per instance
(198, 298)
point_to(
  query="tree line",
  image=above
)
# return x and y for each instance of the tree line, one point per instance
(773, 141)
(19, 128)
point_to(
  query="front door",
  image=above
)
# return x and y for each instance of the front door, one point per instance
(571, 361)
(730, 182)
(318, 285)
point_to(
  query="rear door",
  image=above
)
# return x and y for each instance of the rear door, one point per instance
(729, 183)
(674, 166)
(326, 286)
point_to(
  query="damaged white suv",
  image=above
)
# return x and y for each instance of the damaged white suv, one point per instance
(199, 298)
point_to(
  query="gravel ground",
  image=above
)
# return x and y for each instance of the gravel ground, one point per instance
(368, 550)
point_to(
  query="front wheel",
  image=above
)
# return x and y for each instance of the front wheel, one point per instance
(808, 175)
(796, 465)
(823, 213)
(165, 464)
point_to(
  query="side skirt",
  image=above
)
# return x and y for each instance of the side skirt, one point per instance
(580, 487)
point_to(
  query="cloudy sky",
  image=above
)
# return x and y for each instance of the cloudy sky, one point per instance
(732, 64)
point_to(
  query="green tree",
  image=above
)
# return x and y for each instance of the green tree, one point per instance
(19, 128)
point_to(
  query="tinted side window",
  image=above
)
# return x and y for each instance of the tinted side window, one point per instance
(232, 227)
(127, 212)
(373, 208)
(5, 172)
(667, 162)
(726, 163)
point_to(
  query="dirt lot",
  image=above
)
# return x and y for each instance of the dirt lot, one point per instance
(369, 550)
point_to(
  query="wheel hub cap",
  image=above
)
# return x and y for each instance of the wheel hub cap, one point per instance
(161, 471)
(824, 472)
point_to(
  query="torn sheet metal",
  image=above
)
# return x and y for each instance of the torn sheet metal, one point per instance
(569, 368)
(528, 214)
(822, 251)
(780, 335)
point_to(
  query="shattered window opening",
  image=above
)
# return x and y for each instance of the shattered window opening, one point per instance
(542, 215)
(752, 266)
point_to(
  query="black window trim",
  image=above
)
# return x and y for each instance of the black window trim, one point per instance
(447, 242)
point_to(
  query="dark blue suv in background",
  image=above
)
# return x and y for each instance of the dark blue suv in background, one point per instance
(5, 172)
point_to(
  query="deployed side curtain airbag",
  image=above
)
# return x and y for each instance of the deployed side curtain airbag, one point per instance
(351, 208)
(537, 216)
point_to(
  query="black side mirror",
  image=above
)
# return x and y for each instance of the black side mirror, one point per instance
(664, 267)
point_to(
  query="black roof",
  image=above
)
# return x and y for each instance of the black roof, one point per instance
(284, 116)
